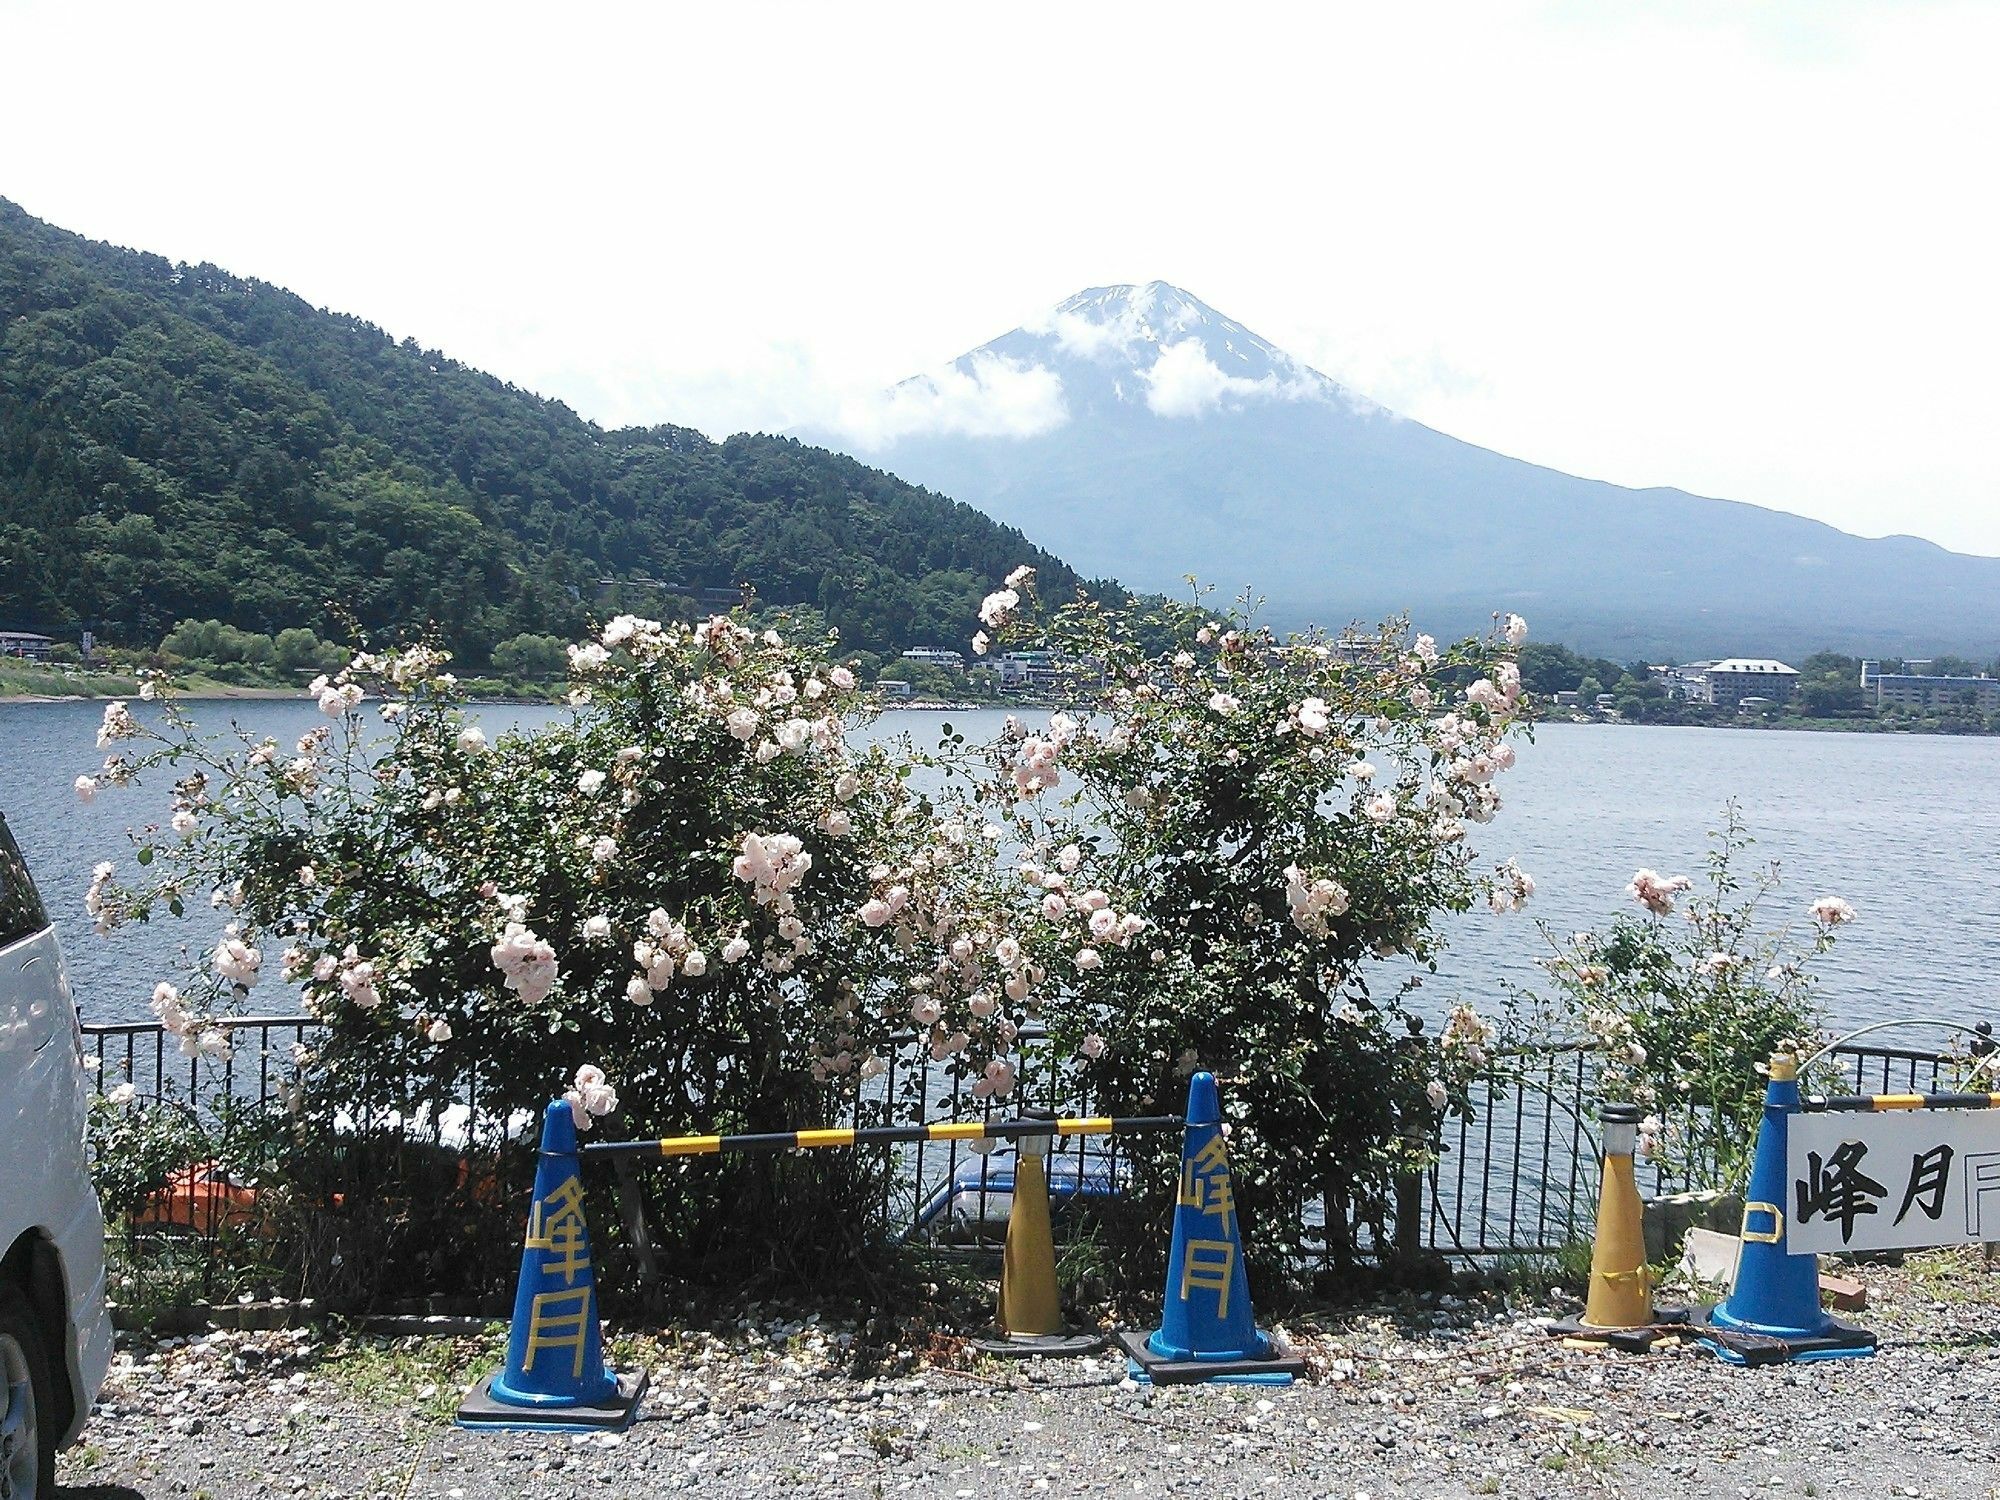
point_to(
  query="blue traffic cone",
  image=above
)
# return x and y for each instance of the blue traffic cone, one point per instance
(555, 1377)
(1208, 1330)
(1772, 1312)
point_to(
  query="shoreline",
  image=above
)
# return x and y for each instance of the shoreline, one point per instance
(210, 695)
(232, 694)
(1788, 726)
(283, 695)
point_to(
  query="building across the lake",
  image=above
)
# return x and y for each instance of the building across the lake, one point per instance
(1028, 669)
(1927, 693)
(1740, 677)
(1687, 682)
(936, 656)
(26, 645)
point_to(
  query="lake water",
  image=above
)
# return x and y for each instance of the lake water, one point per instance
(1907, 828)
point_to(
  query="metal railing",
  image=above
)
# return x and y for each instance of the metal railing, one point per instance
(1517, 1173)
(149, 1057)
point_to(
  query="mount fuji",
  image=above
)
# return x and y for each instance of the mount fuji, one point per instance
(1140, 434)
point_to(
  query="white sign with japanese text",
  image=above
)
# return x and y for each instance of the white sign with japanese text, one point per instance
(1889, 1181)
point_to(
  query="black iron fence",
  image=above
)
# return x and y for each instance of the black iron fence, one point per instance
(149, 1057)
(1516, 1173)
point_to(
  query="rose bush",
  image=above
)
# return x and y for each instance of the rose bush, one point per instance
(1232, 862)
(1234, 858)
(1684, 1002)
(671, 881)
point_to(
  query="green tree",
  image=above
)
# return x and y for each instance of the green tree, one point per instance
(250, 647)
(531, 657)
(194, 640)
(1829, 686)
(300, 650)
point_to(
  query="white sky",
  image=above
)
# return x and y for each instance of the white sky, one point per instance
(1744, 248)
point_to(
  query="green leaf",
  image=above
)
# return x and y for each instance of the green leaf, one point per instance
(145, 854)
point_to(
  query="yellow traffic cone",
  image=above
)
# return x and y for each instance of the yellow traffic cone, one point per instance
(1030, 1301)
(1030, 1308)
(1619, 1309)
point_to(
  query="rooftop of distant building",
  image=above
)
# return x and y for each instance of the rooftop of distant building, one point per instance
(1753, 664)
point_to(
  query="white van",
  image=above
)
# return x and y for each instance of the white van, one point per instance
(55, 1337)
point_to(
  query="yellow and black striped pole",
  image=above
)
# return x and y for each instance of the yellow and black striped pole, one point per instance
(1884, 1103)
(1030, 1302)
(881, 1135)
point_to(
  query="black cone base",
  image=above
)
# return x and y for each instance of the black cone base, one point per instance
(1668, 1323)
(1065, 1345)
(1744, 1346)
(1272, 1368)
(479, 1409)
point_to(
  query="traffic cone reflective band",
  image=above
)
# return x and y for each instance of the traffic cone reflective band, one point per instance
(1208, 1330)
(1772, 1311)
(555, 1376)
(1619, 1310)
(1030, 1310)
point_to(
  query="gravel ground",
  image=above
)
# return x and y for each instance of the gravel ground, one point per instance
(1443, 1397)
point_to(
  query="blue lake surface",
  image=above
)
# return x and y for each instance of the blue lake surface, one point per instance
(1907, 828)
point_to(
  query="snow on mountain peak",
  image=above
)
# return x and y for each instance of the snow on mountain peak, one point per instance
(1149, 346)
(1136, 322)
(1166, 348)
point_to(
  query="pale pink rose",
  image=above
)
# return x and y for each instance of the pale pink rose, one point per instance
(997, 607)
(1656, 892)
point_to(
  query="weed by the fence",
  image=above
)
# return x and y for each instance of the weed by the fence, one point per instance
(1960, 1274)
(1567, 1267)
(425, 1375)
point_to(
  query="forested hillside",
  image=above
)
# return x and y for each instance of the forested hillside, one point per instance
(177, 442)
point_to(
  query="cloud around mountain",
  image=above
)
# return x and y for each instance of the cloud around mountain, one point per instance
(1153, 336)
(982, 395)
(1185, 382)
